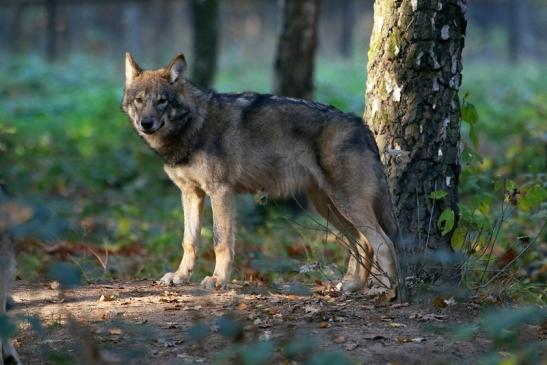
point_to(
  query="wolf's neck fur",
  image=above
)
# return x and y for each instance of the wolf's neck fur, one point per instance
(178, 149)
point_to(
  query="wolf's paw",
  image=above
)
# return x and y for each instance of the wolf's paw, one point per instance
(349, 286)
(382, 294)
(174, 278)
(214, 282)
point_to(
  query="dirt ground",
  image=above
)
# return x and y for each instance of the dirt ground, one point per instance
(144, 323)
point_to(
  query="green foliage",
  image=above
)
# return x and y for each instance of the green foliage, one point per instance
(438, 194)
(532, 197)
(446, 221)
(471, 117)
(502, 184)
(504, 328)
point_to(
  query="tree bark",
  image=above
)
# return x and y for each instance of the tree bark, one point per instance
(205, 41)
(412, 106)
(295, 58)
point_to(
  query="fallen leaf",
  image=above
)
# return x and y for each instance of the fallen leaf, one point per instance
(396, 325)
(429, 317)
(399, 305)
(311, 309)
(340, 339)
(115, 331)
(439, 302)
(324, 325)
(106, 298)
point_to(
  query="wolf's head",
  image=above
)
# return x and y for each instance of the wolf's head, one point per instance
(155, 100)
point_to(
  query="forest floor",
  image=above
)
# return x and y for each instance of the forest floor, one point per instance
(142, 323)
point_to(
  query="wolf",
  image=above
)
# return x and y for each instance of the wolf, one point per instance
(223, 144)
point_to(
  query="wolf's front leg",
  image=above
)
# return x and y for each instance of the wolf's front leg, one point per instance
(222, 202)
(192, 204)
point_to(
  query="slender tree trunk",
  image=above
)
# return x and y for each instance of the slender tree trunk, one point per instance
(295, 59)
(347, 22)
(13, 35)
(51, 32)
(519, 29)
(412, 105)
(205, 38)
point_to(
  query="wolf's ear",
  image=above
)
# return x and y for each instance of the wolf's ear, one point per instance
(176, 68)
(132, 70)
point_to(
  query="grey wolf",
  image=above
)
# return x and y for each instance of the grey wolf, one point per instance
(221, 144)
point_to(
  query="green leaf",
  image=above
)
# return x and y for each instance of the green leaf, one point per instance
(438, 194)
(469, 113)
(446, 221)
(473, 135)
(532, 198)
(458, 239)
(484, 207)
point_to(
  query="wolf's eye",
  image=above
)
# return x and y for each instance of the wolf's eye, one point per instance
(162, 101)
(138, 100)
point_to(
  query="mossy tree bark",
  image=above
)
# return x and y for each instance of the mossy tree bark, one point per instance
(205, 41)
(295, 59)
(412, 106)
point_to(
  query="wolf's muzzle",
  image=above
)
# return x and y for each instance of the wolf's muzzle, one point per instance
(150, 126)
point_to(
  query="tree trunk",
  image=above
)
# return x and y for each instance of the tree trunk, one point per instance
(519, 29)
(347, 21)
(13, 35)
(295, 59)
(51, 31)
(412, 106)
(205, 41)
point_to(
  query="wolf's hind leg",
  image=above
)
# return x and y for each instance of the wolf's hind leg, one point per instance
(192, 204)
(222, 202)
(325, 207)
(382, 248)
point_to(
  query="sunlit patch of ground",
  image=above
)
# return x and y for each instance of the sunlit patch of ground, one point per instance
(139, 322)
